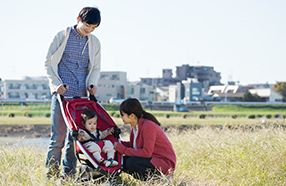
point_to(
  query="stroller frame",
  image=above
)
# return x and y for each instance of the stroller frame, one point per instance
(96, 172)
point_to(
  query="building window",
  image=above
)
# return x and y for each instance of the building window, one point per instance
(45, 86)
(13, 95)
(115, 77)
(31, 86)
(14, 86)
(195, 91)
(142, 90)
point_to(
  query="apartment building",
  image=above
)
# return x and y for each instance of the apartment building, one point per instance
(111, 84)
(187, 90)
(206, 75)
(165, 80)
(26, 89)
(143, 92)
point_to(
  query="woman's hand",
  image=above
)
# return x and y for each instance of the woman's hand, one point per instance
(115, 144)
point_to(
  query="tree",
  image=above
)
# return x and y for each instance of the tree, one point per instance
(247, 96)
(280, 87)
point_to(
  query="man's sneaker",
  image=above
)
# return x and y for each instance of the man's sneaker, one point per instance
(52, 173)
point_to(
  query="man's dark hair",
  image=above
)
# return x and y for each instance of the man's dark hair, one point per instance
(90, 15)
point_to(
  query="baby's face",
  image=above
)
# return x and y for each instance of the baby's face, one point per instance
(90, 124)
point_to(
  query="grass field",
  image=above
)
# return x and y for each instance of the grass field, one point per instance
(240, 111)
(204, 157)
(163, 120)
(221, 115)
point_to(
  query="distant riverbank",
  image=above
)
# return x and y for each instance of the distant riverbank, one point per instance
(43, 130)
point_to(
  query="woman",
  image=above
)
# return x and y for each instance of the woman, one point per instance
(149, 150)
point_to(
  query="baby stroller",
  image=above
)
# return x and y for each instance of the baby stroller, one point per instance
(90, 170)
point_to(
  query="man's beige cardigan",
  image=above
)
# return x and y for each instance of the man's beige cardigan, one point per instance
(55, 53)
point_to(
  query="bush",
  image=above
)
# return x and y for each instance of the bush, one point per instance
(259, 116)
(167, 115)
(202, 116)
(11, 115)
(234, 116)
(252, 116)
(268, 116)
(277, 115)
(47, 115)
(26, 114)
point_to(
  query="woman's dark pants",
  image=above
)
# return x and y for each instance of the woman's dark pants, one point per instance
(138, 167)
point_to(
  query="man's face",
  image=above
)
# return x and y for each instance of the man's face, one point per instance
(84, 28)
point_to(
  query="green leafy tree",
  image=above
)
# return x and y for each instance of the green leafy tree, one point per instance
(257, 98)
(247, 96)
(280, 87)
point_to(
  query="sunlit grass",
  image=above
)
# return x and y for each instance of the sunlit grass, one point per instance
(206, 156)
(24, 120)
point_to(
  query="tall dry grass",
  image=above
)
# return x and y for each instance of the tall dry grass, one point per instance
(204, 157)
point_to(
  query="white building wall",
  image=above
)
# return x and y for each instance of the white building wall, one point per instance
(268, 93)
(141, 91)
(275, 97)
(172, 93)
(29, 88)
(111, 84)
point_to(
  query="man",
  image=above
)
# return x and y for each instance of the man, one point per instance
(72, 65)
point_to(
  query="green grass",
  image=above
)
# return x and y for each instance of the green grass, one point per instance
(221, 114)
(24, 120)
(250, 108)
(204, 157)
(234, 157)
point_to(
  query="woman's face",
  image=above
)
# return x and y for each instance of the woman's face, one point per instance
(127, 119)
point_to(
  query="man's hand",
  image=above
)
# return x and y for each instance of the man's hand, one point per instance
(92, 90)
(61, 89)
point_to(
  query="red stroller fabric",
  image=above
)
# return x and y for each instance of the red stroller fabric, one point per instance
(73, 110)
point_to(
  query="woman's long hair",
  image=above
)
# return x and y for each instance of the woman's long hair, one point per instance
(133, 106)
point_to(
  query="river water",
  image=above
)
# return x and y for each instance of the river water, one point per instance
(24, 140)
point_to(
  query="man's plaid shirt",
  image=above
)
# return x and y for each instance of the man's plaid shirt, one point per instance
(73, 67)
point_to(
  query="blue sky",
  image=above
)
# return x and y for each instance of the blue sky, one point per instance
(245, 40)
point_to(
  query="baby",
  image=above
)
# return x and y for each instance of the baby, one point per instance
(93, 144)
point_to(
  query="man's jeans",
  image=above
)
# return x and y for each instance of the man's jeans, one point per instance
(60, 134)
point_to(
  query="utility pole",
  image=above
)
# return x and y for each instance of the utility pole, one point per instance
(225, 92)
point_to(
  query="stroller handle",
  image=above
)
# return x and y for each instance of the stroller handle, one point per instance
(91, 97)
